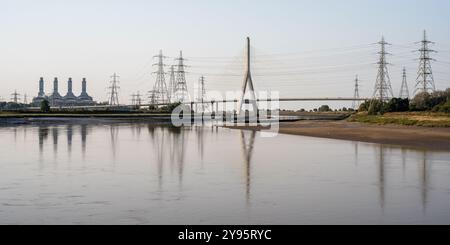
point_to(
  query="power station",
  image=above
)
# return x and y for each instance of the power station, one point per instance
(55, 98)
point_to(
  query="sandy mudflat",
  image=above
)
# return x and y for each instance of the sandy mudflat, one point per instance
(417, 137)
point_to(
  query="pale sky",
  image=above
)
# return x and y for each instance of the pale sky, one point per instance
(302, 48)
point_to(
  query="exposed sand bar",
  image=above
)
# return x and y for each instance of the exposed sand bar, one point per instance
(417, 137)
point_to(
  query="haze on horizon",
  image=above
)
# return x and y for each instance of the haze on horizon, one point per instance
(306, 48)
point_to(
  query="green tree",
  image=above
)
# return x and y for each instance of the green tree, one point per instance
(364, 106)
(397, 105)
(324, 108)
(45, 106)
(376, 107)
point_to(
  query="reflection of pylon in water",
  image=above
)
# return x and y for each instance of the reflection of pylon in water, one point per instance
(248, 88)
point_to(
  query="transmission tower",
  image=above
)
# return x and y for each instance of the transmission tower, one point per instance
(138, 99)
(133, 99)
(181, 91)
(25, 99)
(356, 103)
(15, 97)
(404, 91)
(160, 87)
(114, 91)
(152, 97)
(172, 85)
(202, 93)
(383, 89)
(425, 79)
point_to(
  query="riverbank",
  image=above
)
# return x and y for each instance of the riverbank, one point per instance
(423, 119)
(409, 136)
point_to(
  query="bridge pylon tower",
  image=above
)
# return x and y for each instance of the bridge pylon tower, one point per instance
(248, 87)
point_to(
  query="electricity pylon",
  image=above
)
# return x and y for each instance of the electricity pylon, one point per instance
(404, 91)
(425, 79)
(248, 84)
(133, 99)
(152, 97)
(181, 91)
(114, 91)
(383, 89)
(172, 85)
(15, 97)
(201, 93)
(138, 99)
(160, 88)
(356, 103)
(25, 99)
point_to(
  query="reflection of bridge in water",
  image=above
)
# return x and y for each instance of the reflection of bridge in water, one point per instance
(170, 149)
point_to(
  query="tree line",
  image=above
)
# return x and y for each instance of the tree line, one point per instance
(438, 101)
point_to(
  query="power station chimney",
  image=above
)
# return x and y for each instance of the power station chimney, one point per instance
(84, 98)
(83, 86)
(69, 86)
(55, 86)
(41, 87)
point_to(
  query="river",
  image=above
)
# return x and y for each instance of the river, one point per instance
(149, 174)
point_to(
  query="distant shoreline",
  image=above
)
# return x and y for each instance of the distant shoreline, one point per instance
(26, 119)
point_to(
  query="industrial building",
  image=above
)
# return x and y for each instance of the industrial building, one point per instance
(69, 99)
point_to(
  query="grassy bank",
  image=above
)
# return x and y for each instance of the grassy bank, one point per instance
(424, 119)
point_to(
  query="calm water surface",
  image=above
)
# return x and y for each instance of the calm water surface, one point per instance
(146, 174)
